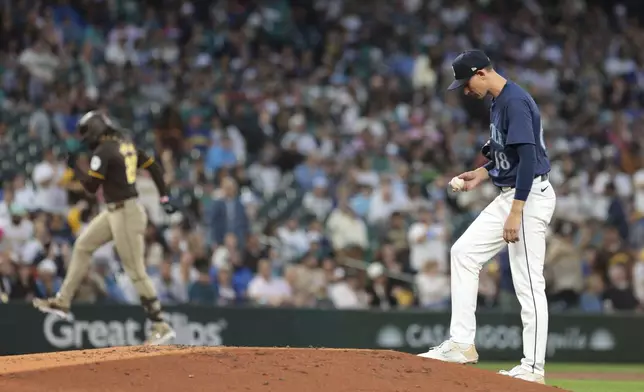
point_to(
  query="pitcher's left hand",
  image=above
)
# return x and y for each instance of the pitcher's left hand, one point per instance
(512, 227)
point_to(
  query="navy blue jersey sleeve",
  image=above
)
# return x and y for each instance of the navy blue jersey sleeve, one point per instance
(525, 170)
(519, 118)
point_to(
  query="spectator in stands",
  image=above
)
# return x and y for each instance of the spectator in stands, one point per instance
(253, 252)
(563, 271)
(226, 293)
(316, 201)
(300, 295)
(309, 279)
(221, 155)
(294, 241)
(384, 202)
(59, 229)
(264, 175)
(592, 300)
(202, 291)
(417, 201)
(426, 242)
(185, 271)
(361, 112)
(49, 197)
(268, 290)
(619, 295)
(612, 252)
(42, 246)
(297, 135)
(221, 256)
(103, 269)
(347, 232)
(228, 215)
(616, 212)
(433, 287)
(488, 285)
(345, 293)
(170, 288)
(24, 286)
(310, 171)
(242, 276)
(361, 200)
(47, 283)
(380, 290)
(50, 161)
(396, 234)
(24, 193)
(41, 64)
(393, 261)
(18, 231)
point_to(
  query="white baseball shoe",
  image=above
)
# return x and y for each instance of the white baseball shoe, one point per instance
(161, 333)
(450, 351)
(524, 374)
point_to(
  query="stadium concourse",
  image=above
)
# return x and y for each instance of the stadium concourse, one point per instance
(305, 139)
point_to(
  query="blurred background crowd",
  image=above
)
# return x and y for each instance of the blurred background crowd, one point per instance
(310, 143)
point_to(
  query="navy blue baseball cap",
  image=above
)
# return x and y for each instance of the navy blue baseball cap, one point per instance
(466, 64)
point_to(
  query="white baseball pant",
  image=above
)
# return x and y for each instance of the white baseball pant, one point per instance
(481, 242)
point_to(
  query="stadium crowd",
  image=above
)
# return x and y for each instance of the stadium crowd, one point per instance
(341, 103)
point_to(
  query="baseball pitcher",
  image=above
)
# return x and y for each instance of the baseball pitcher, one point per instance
(518, 217)
(114, 165)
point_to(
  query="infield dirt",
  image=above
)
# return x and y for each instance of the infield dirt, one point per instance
(228, 369)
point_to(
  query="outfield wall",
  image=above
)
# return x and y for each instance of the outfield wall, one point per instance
(578, 338)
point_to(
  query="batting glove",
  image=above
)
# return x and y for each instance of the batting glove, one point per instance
(167, 206)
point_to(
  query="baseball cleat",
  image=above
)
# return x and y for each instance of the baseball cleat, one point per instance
(53, 306)
(450, 351)
(524, 374)
(160, 333)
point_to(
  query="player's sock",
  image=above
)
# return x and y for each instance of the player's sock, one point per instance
(152, 308)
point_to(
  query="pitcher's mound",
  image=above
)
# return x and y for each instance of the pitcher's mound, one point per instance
(177, 368)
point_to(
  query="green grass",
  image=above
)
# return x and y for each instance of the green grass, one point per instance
(573, 367)
(584, 385)
(598, 386)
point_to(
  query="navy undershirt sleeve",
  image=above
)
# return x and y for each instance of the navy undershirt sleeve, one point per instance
(489, 166)
(525, 170)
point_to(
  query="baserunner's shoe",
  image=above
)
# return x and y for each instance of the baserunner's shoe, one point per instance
(524, 374)
(450, 351)
(160, 333)
(53, 306)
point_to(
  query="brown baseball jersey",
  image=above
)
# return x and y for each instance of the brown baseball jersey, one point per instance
(114, 164)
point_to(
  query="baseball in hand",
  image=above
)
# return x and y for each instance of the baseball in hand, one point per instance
(457, 184)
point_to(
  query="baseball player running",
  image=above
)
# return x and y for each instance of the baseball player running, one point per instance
(114, 165)
(519, 217)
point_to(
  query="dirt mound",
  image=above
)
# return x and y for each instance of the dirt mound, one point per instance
(176, 368)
